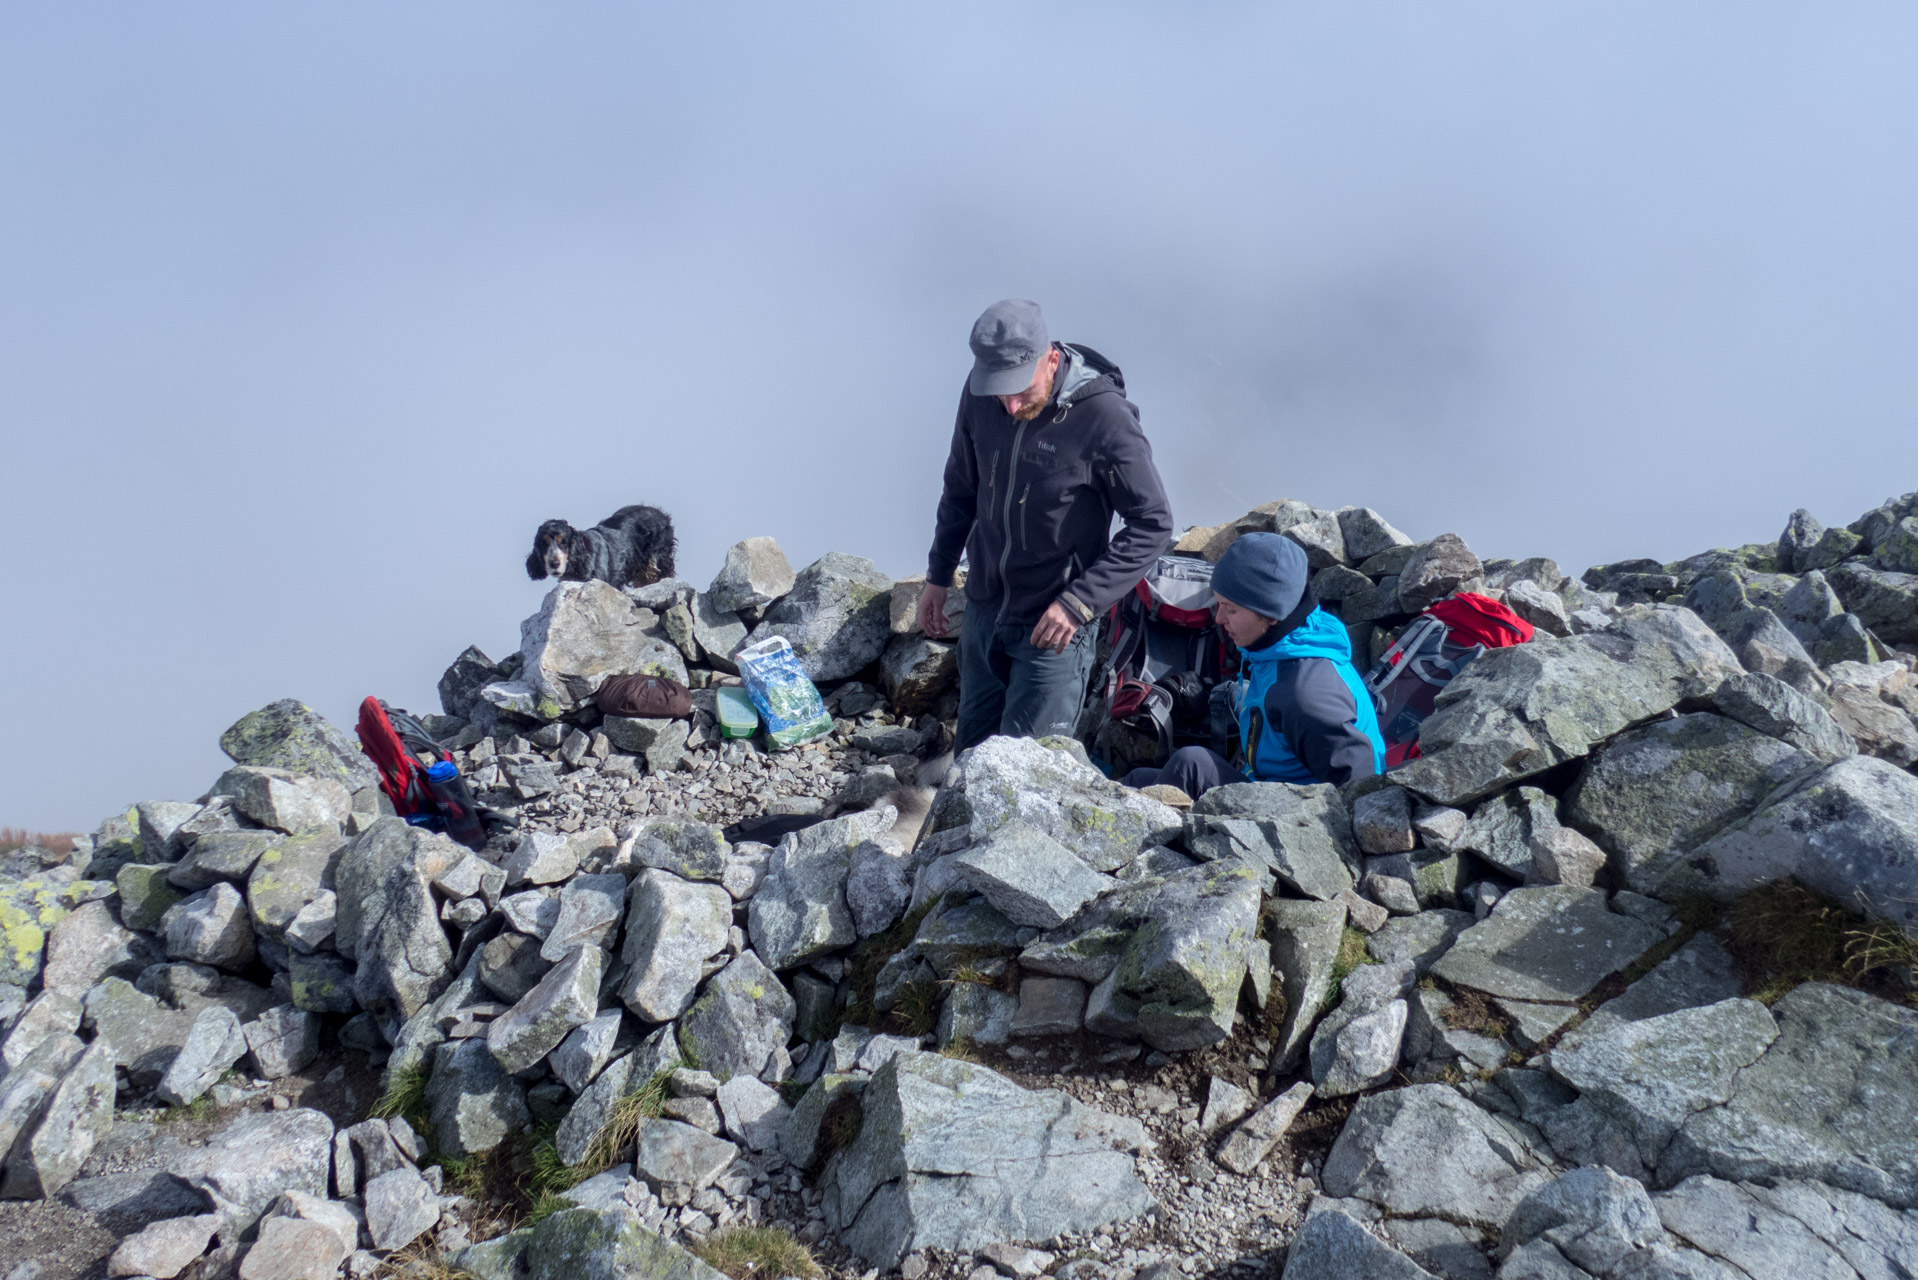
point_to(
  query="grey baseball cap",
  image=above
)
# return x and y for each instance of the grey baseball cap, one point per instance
(1007, 341)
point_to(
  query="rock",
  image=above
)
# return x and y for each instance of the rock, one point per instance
(1357, 1045)
(1436, 569)
(878, 887)
(1697, 974)
(288, 877)
(213, 1045)
(1878, 728)
(1658, 791)
(1884, 601)
(952, 1155)
(1592, 1216)
(755, 1114)
(567, 997)
(916, 671)
(77, 1113)
(164, 1249)
(837, 616)
(1732, 1224)
(800, 909)
(1029, 877)
(1849, 831)
(1333, 1246)
(1552, 944)
(589, 911)
(256, 1158)
(660, 742)
(689, 849)
(738, 1022)
(718, 632)
(1305, 948)
(1004, 779)
(26, 1086)
(1424, 1151)
(1771, 706)
(583, 1242)
(400, 1208)
(756, 573)
(220, 855)
(672, 1154)
(1515, 712)
(1544, 609)
(460, 684)
(474, 1103)
(1364, 914)
(1382, 821)
(145, 1034)
(1225, 1102)
(295, 1249)
(673, 927)
(1302, 833)
(1651, 1074)
(1829, 1100)
(211, 927)
(543, 857)
(282, 1041)
(1897, 550)
(1049, 1007)
(90, 945)
(1419, 939)
(1439, 827)
(291, 735)
(1253, 1141)
(583, 633)
(1177, 981)
(1367, 534)
(48, 1014)
(145, 895)
(1322, 539)
(977, 1014)
(511, 965)
(586, 1050)
(1390, 889)
(285, 801)
(386, 920)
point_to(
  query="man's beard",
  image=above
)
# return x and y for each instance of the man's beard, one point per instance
(1038, 406)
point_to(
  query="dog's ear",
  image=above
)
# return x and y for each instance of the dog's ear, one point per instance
(535, 564)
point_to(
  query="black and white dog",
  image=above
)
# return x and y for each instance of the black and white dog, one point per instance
(633, 547)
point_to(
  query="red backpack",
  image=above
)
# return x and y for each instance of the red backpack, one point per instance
(390, 739)
(1166, 654)
(1433, 648)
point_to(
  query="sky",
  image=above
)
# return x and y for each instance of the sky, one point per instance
(310, 314)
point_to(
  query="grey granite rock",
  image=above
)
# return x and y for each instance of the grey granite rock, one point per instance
(1333, 1246)
(738, 1021)
(386, 920)
(1424, 1151)
(1771, 706)
(673, 927)
(1306, 831)
(1305, 940)
(755, 574)
(1357, 1045)
(211, 927)
(213, 1044)
(1178, 978)
(583, 1244)
(261, 1154)
(586, 1050)
(400, 1208)
(1553, 943)
(291, 735)
(583, 633)
(474, 1103)
(837, 616)
(1031, 878)
(800, 909)
(567, 997)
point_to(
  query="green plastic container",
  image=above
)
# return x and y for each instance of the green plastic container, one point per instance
(738, 718)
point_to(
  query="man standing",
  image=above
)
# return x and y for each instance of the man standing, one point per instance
(1045, 451)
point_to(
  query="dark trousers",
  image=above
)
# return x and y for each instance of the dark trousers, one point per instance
(1193, 770)
(1009, 685)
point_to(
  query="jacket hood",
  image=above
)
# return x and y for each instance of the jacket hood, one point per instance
(1319, 636)
(1078, 378)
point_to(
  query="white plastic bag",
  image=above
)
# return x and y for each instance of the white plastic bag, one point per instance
(787, 700)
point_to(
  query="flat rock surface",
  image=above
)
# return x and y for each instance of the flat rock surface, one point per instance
(1553, 943)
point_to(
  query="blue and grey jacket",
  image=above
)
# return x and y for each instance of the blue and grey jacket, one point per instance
(1031, 503)
(1304, 714)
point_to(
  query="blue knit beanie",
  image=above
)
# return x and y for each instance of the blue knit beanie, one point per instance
(1263, 572)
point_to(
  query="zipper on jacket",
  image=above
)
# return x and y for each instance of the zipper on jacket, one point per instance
(1023, 494)
(992, 480)
(1005, 517)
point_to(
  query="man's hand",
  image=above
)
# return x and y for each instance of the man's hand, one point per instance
(932, 612)
(1056, 629)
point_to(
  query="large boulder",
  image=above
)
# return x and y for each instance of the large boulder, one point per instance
(567, 997)
(585, 632)
(76, 1115)
(284, 801)
(1553, 943)
(1849, 831)
(755, 574)
(290, 735)
(1425, 1152)
(1884, 600)
(254, 1160)
(800, 910)
(1771, 706)
(1177, 982)
(1357, 1045)
(1516, 712)
(673, 927)
(387, 921)
(837, 617)
(1305, 950)
(1435, 570)
(583, 1244)
(474, 1103)
(1031, 878)
(1300, 834)
(739, 1022)
(1660, 790)
(952, 1155)
(1046, 785)
(289, 875)
(1332, 1245)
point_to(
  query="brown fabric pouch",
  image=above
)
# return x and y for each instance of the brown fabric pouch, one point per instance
(644, 697)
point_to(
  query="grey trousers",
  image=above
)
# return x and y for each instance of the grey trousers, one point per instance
(1193, 770)
(1009, 685)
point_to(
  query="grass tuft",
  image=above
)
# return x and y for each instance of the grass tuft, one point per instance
(917, 1010)
(622, 1127)
(839, 1126)
(405, 1097)
(1785, 934)
(544, 1206)
(1352, 954)
(1471, 1010)
(757, 1253)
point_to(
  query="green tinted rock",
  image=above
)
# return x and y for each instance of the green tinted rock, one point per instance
(290, 735)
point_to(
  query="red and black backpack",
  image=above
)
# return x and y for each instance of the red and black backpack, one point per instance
(394, 741)
(1433, 648)
(1165, 656)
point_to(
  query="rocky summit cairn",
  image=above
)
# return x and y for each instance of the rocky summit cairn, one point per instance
(1614, 981)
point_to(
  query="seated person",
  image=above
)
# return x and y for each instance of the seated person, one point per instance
(1304, 714)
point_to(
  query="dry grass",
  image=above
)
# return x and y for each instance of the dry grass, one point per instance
(622, 1127)
(12, 838)
(1474, 1011)
(1784, 934)
(757, 1253)
(840, 1125)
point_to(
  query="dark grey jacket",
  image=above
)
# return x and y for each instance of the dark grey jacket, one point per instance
(1031, 503)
